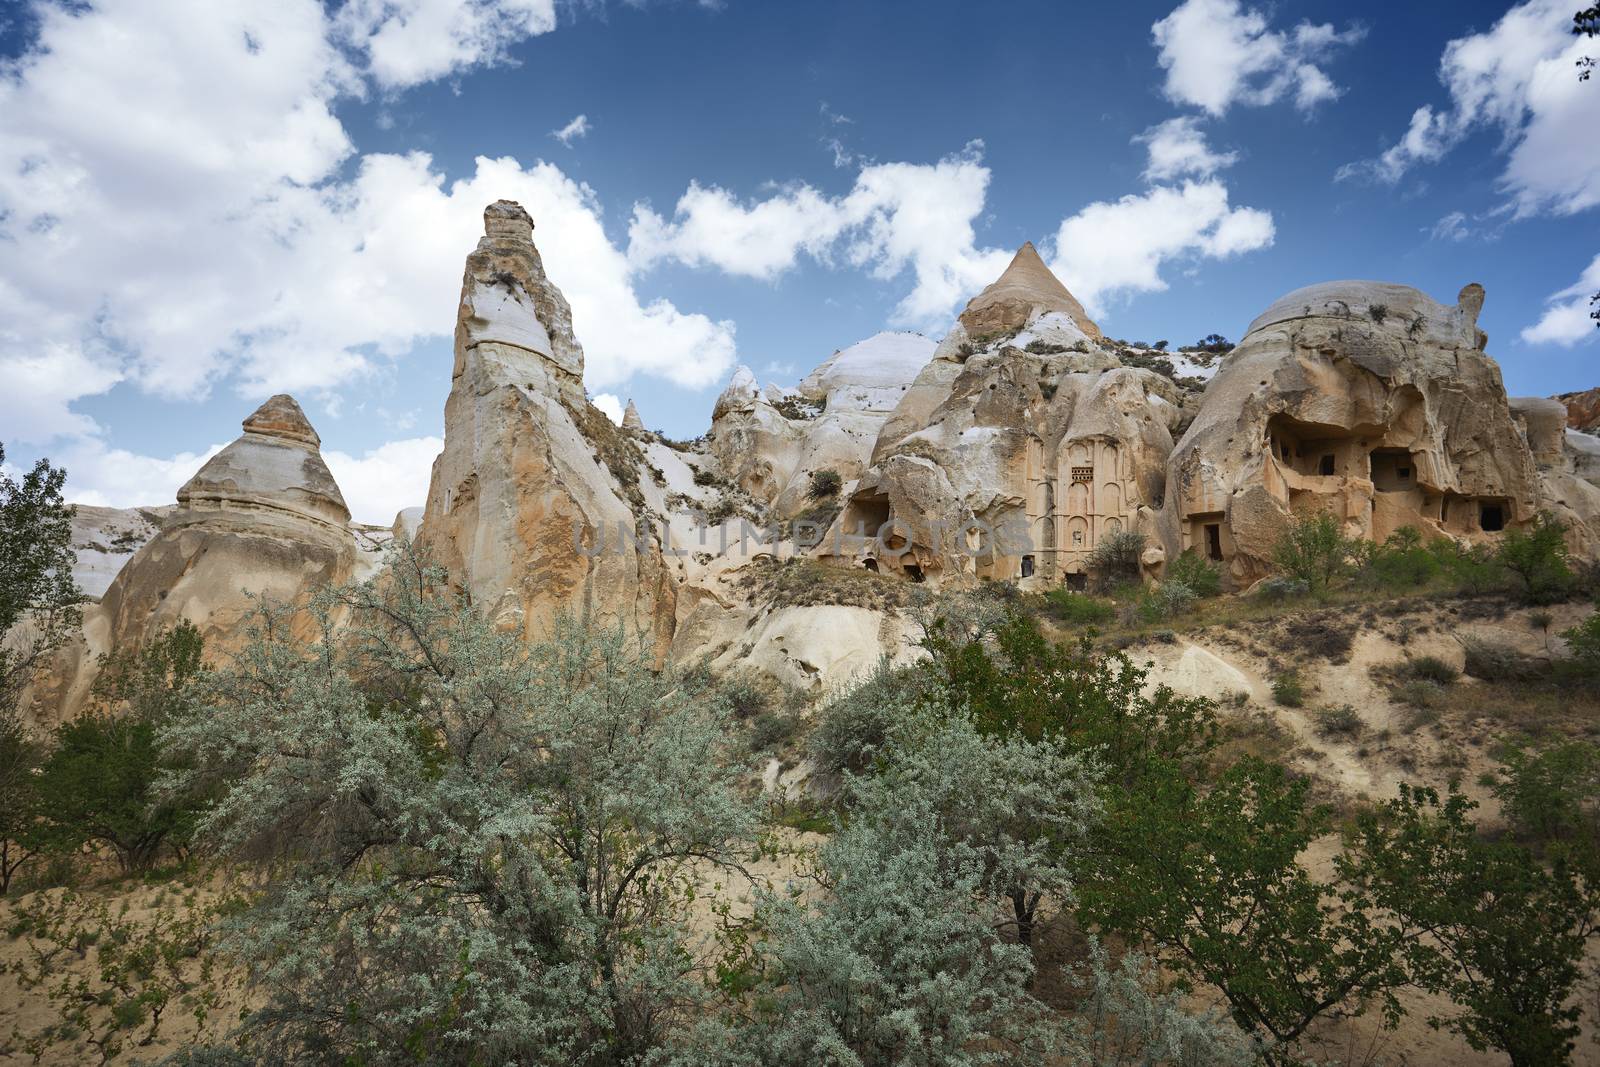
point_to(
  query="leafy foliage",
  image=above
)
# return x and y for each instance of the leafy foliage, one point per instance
(485, 850)
(20, 804)
(1078, 609)
(1401, 562)
(1213, 878)
(1537, 557)
(97, 785)
(36, 581)
(1314, 550)
(1196, 572)
(1506, 934)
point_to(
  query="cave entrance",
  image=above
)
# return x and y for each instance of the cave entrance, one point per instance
(913, 572)
(1214, 540)
(871, 564)
(1027, 566)
(1491, 517)
(865, 516)
(1393, 470)
(1077, 582)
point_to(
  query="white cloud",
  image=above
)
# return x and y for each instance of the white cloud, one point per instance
(610, 406)
(1451, 227)
(901, 217)
(386, 479)
(407, 42)
(116, 478)
(1218, 53)
(1177, 148)
(173, 237)
(1566, 320)
(1112, 248)
(897, 217)
(572, 131)
(1519, 76)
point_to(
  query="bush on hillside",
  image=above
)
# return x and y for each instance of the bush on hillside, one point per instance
(1537, 558)
(1196, 572)
(1313, 549)
(1116, 559)
(825, 484)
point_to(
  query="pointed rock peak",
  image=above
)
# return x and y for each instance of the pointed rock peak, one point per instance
(507, 220)
(274, 466)
(281, 417)
(630, 417)
(741, 391)
(1025, 289)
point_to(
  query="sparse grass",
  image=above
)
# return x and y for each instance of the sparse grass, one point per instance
(1078, 609)
(807, 583)
(1429, 669)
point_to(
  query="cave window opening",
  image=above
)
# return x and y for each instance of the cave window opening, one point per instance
(1326, 466)
(914, 572)
(1078, 582)
(1491, 518)
(1027, 566)
(1214, 540)
(871, 564)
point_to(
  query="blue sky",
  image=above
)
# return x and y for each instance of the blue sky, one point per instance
(204, 203)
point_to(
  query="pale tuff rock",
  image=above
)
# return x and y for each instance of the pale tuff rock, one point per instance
(1568, 463)
(534, 501)
(104, 539)
(1026, 290)
(262, 518)
(274, 466)
(1005, 463)
(631, 420)
(1366, 400)
(830, 423)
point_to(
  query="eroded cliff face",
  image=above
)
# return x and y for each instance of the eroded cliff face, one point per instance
(262, 518)
(1365, 400)
(534, 502)
(1011, 455)
(770, 442)
(1007, 451)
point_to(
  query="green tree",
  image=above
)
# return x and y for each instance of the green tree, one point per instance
(893, 965)
(1583, 641)
(36, 584)
(1213, 880)
(1551, 796)
(1116, 559)
(20, 756)
(1538, 558)
(1506, 933)
(98, 783)
(486, 850)
(1315, 550)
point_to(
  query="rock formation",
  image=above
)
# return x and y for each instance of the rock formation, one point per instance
(1366, 400)
(534, 502)
(1015, 450)
(1583, 410)
(105, 539)
(631, 419)
(769, 443)
(262, 518)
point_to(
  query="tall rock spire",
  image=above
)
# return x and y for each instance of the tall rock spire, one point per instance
(534, 483)
(1025, 290)
(510, 308)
